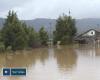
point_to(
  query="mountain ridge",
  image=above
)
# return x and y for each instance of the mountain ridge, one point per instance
(81, 24)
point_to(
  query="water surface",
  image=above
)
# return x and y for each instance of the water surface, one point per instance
(55, 63)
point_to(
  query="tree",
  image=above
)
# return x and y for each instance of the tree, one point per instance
(33, 39)
(13, 33)
(32, 36)
(65, 29)
(43, 36)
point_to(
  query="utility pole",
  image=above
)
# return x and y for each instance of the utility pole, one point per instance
(50, 34)
(69, 12)
(50, 31)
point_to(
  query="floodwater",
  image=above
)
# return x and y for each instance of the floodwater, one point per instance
(80, 62)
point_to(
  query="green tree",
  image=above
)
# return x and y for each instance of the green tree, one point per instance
(32, 36)
(33, 39)
(43, 36)
(65, 29)
(13, 33)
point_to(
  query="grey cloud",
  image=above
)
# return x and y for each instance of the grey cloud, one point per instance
(30, 9)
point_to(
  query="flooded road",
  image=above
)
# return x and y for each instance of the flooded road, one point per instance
(57, 63)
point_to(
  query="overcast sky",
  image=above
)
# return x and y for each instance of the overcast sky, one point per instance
(31, 9)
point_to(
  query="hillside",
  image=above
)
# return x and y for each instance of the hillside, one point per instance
(81, 24)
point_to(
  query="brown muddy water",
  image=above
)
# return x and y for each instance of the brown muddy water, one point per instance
(55, 63)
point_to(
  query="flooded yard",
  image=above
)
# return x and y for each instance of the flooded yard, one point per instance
(55, 63)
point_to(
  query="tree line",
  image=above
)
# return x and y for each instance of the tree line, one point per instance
(16, 35)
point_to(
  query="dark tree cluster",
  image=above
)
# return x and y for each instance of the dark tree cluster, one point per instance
(65, 30)
(18, 35)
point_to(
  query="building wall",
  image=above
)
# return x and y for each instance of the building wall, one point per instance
(90, 33)
(91, 37)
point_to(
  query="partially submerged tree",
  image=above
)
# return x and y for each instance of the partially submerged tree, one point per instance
(65, 29)
(33, 38)
(43, 36)
(13, 33)
(18, 35)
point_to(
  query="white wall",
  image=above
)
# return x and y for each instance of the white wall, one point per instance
(90, 33)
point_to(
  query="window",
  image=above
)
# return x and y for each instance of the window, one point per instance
(91, 32)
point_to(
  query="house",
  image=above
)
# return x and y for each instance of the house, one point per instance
(90, 36)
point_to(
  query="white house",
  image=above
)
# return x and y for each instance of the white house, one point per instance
(89, 36)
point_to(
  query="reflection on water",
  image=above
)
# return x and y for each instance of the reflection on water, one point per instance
(88, 50)
(55, 63)
(66, 57)
(27, 58)
(88, 63)
(2, 60)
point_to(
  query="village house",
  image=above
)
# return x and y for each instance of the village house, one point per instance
(90, 36)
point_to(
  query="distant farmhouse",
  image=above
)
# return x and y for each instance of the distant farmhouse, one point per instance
(90, 36)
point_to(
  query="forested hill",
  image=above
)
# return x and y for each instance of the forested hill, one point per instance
(81, 24)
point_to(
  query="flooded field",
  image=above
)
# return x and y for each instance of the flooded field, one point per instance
(55, 63)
